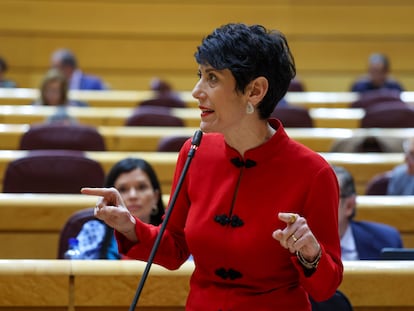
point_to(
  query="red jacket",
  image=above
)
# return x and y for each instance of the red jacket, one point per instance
(225, 215)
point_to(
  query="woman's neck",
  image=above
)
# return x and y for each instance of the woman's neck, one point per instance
(249, 136)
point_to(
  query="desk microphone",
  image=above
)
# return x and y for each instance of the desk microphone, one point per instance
(195, 142)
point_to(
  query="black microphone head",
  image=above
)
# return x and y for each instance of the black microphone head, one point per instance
(197, 138)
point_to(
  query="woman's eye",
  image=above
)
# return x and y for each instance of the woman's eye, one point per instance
(122, 189)
(212, 78)
(142, 187)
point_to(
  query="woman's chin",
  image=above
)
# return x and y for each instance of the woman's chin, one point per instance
(206, 127)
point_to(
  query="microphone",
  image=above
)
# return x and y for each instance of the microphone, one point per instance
(195, 142)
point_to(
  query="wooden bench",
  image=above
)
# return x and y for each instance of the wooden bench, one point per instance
(87, 115)
(163, 162)
(107, 98)
(35, 285)
(363, 166)
(30, 223)
(322, 117)
(129, 138)
(131, 99)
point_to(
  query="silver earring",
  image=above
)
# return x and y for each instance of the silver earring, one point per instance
(249, 108)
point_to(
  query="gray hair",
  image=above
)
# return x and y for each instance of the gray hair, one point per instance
(65, 57)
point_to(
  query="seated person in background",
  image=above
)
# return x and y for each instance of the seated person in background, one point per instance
(54, 92)
(360, 239)
(163, 89)
(377, 76)
(296, 85)
(5, 83)
(367, 143)
(65, 61)
(163, 96)
(402, 176)
(140, 189)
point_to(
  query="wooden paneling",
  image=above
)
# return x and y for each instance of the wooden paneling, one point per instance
(34, 285)
(30, 224)
(110, 285)
(363, 166)
(163, 163)
(122, 138)
(15, 114)
(330, 41)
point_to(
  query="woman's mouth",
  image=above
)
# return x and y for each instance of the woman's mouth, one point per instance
(205, 111)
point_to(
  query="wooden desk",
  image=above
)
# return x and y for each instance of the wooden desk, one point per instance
(30, 223)
(322, 117)
(35, 285)
(111, 285)
(117, 138)
(130, 99)
(337, 117)
(391, 210)
(379, 285)
(163, 162)
(124, 138)
(87, 115)
(108, 98)
(363, 166)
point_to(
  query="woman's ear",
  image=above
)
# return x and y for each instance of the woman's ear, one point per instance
(350, 205)
(257, 90)
(157, 196)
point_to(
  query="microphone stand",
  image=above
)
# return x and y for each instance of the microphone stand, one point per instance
(195, 142)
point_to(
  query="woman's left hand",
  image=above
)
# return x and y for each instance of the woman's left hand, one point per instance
(297, 236)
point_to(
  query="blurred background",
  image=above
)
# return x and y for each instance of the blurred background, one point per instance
(127, 42)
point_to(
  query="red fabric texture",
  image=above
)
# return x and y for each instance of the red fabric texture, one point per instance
(287, 177)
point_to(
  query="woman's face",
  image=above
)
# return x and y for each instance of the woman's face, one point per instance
(138, 194)
(52, 93)
(222, 108)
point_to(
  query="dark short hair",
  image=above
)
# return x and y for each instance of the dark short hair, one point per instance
(129, 164)
(3, 64)
(250, 52)
(66, 57)
(346, 182)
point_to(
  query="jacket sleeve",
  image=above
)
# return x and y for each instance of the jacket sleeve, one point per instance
(321, 213)
(173, 250)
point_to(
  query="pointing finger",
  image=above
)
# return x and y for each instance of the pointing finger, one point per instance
(288, 218)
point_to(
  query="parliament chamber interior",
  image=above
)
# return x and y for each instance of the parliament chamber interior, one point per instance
(129, 43)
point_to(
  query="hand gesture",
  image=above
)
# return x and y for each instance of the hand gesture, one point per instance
(297, 236)
(112, 210)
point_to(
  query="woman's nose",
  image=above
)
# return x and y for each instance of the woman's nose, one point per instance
(196, 92)
(132, 192)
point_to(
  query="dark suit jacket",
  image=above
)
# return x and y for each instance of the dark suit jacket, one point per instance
(364, 85)
(371, 238)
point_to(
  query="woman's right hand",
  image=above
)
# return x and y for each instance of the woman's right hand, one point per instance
(112, 210)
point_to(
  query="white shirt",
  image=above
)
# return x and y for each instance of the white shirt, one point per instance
(348, 247)
(75, 80)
